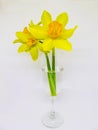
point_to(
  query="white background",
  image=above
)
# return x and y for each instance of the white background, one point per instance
(23, 90)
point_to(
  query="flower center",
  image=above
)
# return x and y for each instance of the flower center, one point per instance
(54, 29)
(31, 42)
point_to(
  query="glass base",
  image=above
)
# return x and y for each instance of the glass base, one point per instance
(52, 120)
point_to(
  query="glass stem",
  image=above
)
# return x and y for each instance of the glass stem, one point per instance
(52, 104)
(52, 113)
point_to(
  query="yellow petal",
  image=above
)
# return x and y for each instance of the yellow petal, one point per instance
(22, 36)
(17, 41)
(31, 23)
(46, 18)
(47, 45)
(38, 32)
(34, 53)
(68, 33)
(23, 48)
(62, 44)
(62, 18)
(39, 45)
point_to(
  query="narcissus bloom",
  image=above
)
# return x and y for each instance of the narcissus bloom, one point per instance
(45, 36)
(53, 32)
(29, 43)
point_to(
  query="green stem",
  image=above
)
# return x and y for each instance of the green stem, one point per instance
(48, 62)
(50, 78)
(53, 59)
(53, 66)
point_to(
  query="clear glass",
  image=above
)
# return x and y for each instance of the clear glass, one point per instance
(53, 119)
(59, 78)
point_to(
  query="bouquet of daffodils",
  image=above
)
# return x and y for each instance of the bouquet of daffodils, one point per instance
(46, 36)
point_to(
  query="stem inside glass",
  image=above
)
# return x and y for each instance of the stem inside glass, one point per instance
(51, 72)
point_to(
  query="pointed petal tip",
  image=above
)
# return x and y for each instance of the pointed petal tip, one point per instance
(45, 11)
(34, 59)
(70, 50)
(62, 18)
(34, 53)
(76, 26)
(14, 41)
(46, 18)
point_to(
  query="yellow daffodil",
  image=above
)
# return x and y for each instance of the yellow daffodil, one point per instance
(53, 32)
(45, 36)
(29, 43)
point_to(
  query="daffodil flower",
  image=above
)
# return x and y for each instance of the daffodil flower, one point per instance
(45, 36)
(53, 32)
(29, 43)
